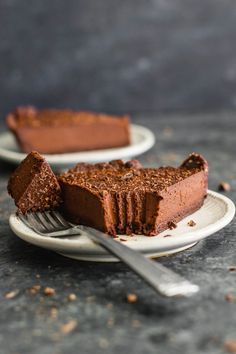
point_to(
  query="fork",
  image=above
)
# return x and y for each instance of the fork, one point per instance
(161, 279)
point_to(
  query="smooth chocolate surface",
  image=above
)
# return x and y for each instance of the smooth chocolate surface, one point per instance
(122, 197)
(59, 131)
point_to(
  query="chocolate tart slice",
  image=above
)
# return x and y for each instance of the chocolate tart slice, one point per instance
(33, 185)
(52, 131)
(120, 197)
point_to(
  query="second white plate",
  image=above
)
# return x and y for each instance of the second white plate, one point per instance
(142, 139)
(216, 212)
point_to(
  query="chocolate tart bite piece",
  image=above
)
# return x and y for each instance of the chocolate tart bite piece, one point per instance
(33, 185)
(52, 131)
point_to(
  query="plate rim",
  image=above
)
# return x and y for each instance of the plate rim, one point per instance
(74, 247)
(88, 156)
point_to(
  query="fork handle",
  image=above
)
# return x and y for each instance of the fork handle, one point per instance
(162, 280)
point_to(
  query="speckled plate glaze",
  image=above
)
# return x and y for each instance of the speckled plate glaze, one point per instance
(142, 139)
(215, 214)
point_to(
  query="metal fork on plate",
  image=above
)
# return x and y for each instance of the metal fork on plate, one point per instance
(161, 279)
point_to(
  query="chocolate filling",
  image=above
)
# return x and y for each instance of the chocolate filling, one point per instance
(143, 200)
(52, 131)
(114, 197)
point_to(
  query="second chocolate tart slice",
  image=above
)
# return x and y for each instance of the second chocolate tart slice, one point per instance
(54, 131)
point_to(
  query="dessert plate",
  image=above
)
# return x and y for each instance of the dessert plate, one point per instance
(142, 139)
(216, 212)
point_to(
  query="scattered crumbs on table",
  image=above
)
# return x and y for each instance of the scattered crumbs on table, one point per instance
(103, 343)
(230, 298)
(171, 225)
(49, 291)
(11, 294)
(232, 268)
(131, 298)
(230, 346)
(224, 186)
(191, 223)
(72, 297)
(68, 326)
(34, 289)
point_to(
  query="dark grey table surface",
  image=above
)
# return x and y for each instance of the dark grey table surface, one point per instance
(103, 319)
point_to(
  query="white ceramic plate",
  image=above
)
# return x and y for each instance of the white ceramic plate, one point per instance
(215, 214)
(142, 139)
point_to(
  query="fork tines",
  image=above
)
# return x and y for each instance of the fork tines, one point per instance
(45, 222)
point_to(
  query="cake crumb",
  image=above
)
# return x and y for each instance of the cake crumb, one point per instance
(230, 298)
(230, 346)
(232, 268)
(35, 289)
(131, 298)
(49, 291)
(191, 223)
(127, 176)
(11, 294)
(171, 225)
(68, 326)
(123, 240)
(72, 297)
(135, 164)
(224, 186)
(167, 236)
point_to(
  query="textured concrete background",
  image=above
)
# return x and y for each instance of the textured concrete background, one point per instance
(118, 56)
(105, 322)
(149, 58)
